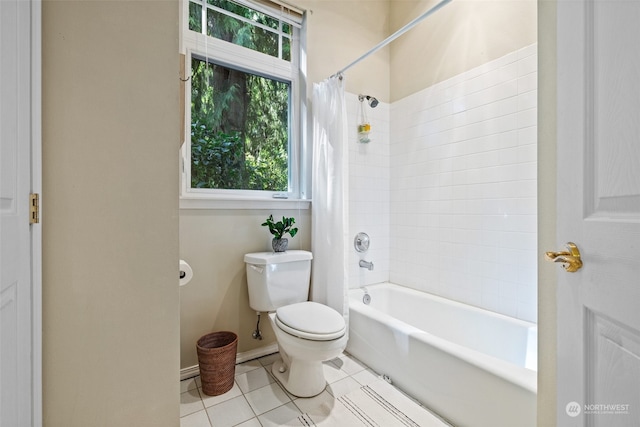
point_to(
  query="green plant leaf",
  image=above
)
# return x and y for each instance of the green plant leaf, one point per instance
(280, 228)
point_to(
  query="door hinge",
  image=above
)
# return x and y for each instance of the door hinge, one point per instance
(34, 208)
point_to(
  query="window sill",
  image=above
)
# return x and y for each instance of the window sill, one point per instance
(243, 203)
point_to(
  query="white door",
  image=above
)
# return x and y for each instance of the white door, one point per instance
(19, 351)
(599, 209)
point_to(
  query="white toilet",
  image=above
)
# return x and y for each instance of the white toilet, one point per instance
(308, 333)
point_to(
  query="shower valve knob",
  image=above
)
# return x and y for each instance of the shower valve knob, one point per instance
(361, 242)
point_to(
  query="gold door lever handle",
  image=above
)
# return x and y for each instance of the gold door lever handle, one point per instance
(570, 258)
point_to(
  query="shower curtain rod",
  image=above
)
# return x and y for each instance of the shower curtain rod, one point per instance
(395, 35)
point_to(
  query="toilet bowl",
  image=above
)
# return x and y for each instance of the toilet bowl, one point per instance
(308, 334)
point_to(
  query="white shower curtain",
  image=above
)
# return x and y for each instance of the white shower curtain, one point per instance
(330, 207)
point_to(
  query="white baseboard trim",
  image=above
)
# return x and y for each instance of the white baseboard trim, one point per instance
(256, 353)
(194, 371)
(190, 372)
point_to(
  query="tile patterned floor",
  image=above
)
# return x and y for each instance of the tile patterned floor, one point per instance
(257, 400)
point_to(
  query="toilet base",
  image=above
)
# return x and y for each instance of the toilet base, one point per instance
(302, 378)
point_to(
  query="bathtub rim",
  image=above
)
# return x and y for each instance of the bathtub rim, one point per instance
(409, 290)
(521, 376)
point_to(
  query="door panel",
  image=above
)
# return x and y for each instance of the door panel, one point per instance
(613, 119)
(613, 369)
(598, 186)
(16, 327)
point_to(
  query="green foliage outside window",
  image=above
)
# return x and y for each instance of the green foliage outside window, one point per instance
(239, 120)
(258, 31)
(239, 129)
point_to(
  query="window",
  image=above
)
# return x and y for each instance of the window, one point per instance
(243, 101)
(241, 25)
(239, 129)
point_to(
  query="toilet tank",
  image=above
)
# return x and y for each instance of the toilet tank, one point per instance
(276, 279)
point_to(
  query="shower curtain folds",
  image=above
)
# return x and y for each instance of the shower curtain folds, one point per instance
(329, 213)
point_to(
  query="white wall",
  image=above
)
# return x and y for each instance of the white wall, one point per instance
(547, 307)
(463, 217)
(213, 242)
(337, 33)
(462, 35)
(369, 191)
(110, 130)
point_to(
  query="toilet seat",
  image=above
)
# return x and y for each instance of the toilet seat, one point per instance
(311, 320)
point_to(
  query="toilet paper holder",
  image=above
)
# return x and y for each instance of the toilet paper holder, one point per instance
(186, 273)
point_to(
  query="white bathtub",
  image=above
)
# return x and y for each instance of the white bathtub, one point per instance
(472, 367)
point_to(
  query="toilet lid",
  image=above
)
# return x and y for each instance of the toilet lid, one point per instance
(311, 321)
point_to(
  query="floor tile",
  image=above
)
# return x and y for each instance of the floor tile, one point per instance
(365, 377)
(257, 400)
(279, 415)
(188, 384)
(230, 413)
(245, 367)
(190, 402)
(253, 422)
(332, 373)
(268, 360)
(267, 398)
(254, 379)
(214, 400)
(197, 419)
(349, 364)
(306, 404)
(343, 386)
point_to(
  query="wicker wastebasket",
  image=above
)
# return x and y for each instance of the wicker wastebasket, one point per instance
(217, 361)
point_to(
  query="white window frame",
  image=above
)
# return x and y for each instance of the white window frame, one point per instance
(245, 59)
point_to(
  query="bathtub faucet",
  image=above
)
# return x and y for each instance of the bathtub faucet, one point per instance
(366, 264)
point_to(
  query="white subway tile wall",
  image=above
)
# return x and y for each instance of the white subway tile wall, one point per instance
(446, 188)
(460, 188)
(369, 191)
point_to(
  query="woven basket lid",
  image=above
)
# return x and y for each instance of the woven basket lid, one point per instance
(311, 321)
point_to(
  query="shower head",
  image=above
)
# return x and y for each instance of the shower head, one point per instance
(373, 103)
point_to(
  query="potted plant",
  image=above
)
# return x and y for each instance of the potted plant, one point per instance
(279, 229)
